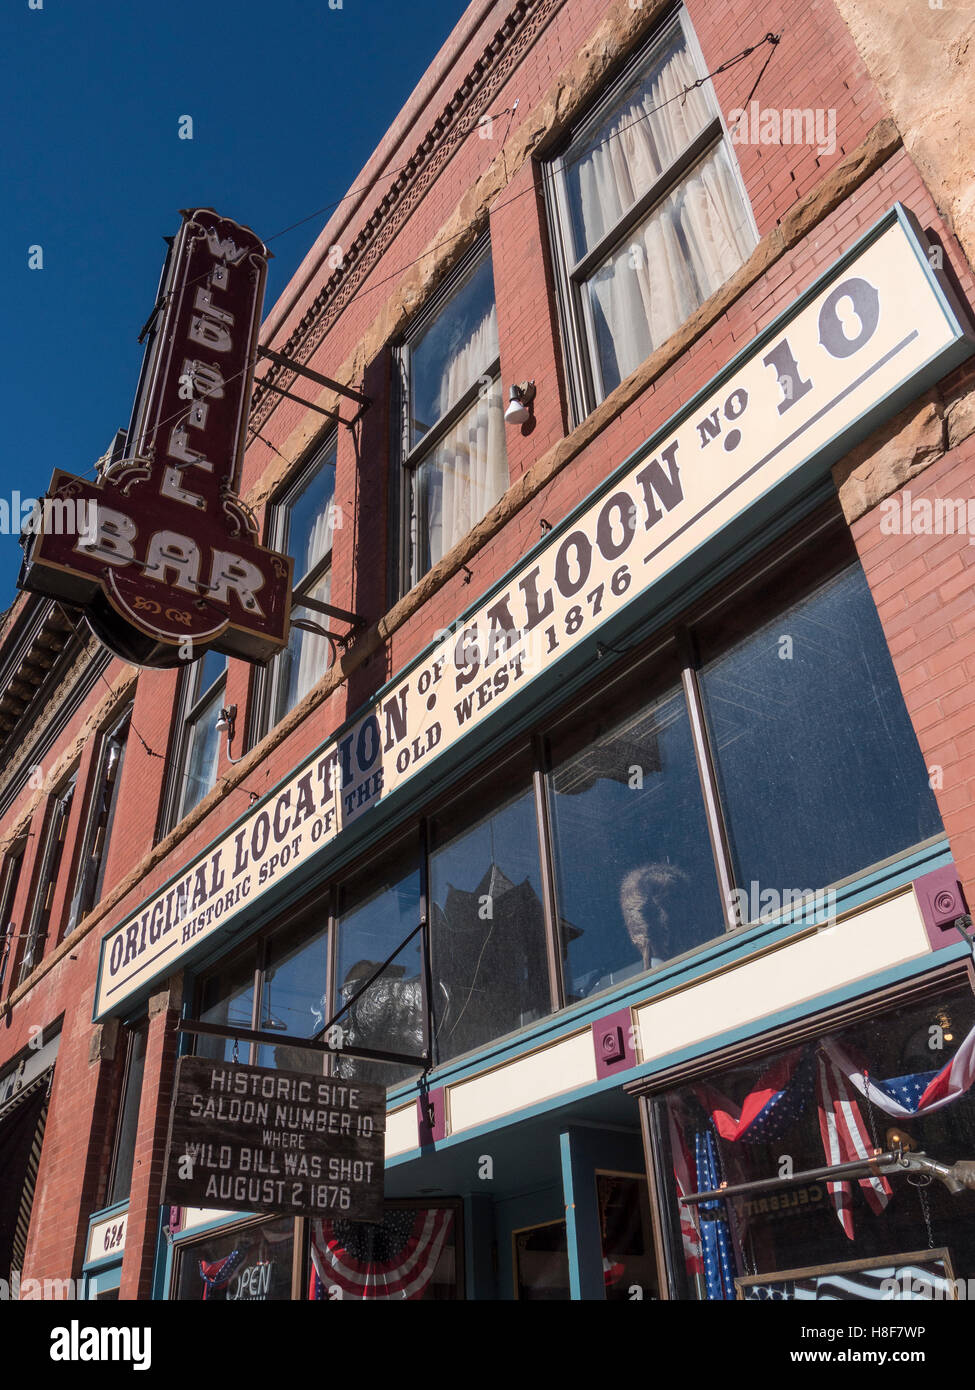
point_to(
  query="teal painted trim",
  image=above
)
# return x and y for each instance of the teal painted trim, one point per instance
(579, 1151)
(106, 1213)
(100, 1282)
(162, 1274)
(787, 491)
(917, 967)
(571, 1219)
(106, 1262)
(231, 1219)
(893, 975)
(728, 950)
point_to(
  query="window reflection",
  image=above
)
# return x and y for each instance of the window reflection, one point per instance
(378, 910)
(487, 924)
(635, 874)
(293, 993)
(819, 766)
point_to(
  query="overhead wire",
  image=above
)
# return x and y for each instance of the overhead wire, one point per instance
(584, 152)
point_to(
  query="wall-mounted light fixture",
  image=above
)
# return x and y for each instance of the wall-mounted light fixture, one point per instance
(227, 723)
(519, 405)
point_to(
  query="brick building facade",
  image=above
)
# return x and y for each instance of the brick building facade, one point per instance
(722, 834)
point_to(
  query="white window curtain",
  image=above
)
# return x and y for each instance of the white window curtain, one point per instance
(309, 655)
(684, 250)
(467, 471)
(638, 144)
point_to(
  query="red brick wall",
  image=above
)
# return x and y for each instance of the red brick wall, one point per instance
(923, 588)
(920, 583)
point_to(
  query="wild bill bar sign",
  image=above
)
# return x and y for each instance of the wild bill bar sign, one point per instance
(159, 551)
(877, 325)
(255, 1139)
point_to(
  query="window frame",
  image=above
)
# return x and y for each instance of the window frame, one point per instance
(190, 706)
(268, 679)
(54, 838)
(100, 816)
(13, 863)
(411, 456)
(137, 1031)
(803, 558)
(574, 309)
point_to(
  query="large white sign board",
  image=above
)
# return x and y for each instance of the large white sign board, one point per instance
(868, 336)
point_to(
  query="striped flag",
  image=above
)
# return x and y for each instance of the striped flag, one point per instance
(845, 1139)
(917, 1093)
(393, 1259)
(690, 1236)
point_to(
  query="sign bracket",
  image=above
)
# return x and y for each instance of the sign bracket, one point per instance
(314, 1044)
(318, 1041)
(280, 360)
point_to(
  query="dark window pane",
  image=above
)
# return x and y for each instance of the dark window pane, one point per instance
(819, 765)
(450, 355)
(250, 1264)
(129, 1117)
(378, 909)
(101, 818)
(294, 993)
(636, 878)
(227, 997)
(115, 761)
(625, 1223)
(487, 925)
(810, 1227)
(542, 1263)
(311, 518)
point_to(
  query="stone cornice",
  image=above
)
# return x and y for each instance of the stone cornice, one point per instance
(457, 119)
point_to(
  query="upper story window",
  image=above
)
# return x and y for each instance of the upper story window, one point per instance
(49, 864)
(453, 446)
(196, 740)
(101, 819)
(9, 882)
(303, 523)
(650, 215)
(127, 1125)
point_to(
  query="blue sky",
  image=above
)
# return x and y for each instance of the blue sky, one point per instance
(288, 101)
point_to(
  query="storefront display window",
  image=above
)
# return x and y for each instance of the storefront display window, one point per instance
(896, 1084)
(413, 1253)
(487, 921)
(541, 1256)
(253, 1263)
(636, 879)
(378, 910)
(808, 709)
